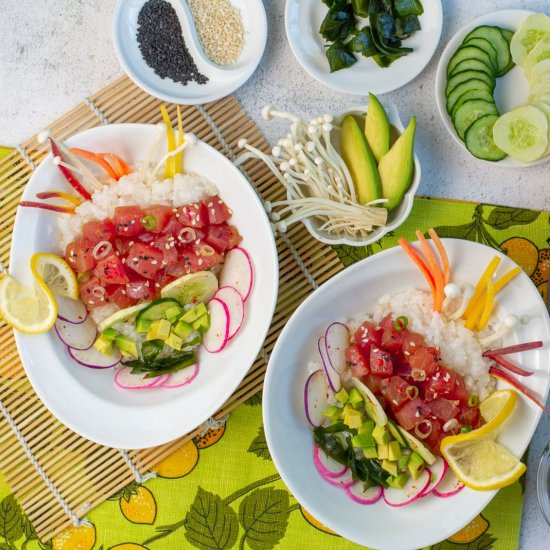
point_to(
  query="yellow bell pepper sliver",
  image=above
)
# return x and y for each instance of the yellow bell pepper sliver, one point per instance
(481, 286)
(170, 170)
(179, 157)
(488, 307)
(506, 278)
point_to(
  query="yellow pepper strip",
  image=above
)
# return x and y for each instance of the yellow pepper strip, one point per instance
(472, 319)
(170, 170)
(179, 156)
(59, 195)
(506, 278)
(481, 286)
(489, 303)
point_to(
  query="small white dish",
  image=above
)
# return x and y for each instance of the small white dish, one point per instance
(88, 401)
(303, 19)
(395, 218)
(511, 90)
(350, 295)
(222, 81)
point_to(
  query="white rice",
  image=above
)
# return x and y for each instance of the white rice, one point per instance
(131, 190)
(459, 347)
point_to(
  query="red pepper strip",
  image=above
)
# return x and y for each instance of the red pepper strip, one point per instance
(69, 176)
(98, 159)
(513, 349)
(417, 259)
(497, 373)
(511, 367)
(119, 166)
(59, 195)
(45, 206)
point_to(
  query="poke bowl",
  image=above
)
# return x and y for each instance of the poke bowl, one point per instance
(77, 367)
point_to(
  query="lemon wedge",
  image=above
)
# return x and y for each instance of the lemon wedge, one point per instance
(475, 457)
(56, 274)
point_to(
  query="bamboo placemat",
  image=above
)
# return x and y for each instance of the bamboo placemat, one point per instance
(57, 475)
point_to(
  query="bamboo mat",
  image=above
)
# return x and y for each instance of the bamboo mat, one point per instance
(57, 475)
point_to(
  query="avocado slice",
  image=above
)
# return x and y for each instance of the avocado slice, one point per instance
(372, 406)
(195, 313)
(382, 451)
(126, 345)
(174, 341)
(370, 452)
(390, 467)
(352, 418)
(160, 330)
(104, 346)
(360, 161)
(333, 412)
(355, 398)
(398, 481)
(183, 329)
(416, 466)
(377, 128)
(394, 450)
(342, 396)
(381, 435)
(396, 167)
(363, 441)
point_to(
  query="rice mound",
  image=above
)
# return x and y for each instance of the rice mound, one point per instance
(460, 349)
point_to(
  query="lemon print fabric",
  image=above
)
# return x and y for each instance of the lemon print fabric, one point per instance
(180, 462)
(138, 505)
(75, 538)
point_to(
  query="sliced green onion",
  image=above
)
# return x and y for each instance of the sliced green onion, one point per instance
(401, 323)
(473, 400)
(465, 429)
(412, 392)
(149, 223)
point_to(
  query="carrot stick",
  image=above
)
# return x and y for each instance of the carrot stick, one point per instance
(117, 163)
(435, 269)
(417, 259)
(442, 254)
(488, 307)
(481, 286)
(98, 159)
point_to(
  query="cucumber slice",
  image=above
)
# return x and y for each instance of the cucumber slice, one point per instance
(468, 52)
(156, 310)
(540, 72)
(479, 139)
(455, 95)
(499, 43)
(394, 430)
(418, 447)
(121, 316)
(472, 65)
(508, 34)
(195, 287)
(469, 112)
(531, 30)
(522, 133)
(539, 53)
(472, 94)
(466, 76)
(545, 108)
(487, 47)
(372, 406)
(538, 90)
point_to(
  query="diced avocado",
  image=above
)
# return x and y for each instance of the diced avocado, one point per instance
(363, 441)
(372, 406)
(377, 128)
(394, 430)
(104, 346)
(352, 418)
(403, 461)
(370, 452)
(355, 398)
(367, 427)
(173, 313)
(143, 325)
(109, 334)
(398, 481)
(394, 450)
(174, 341)
(382, 452)
(342, 396)
(416, 465)
(362, 165)
(333, 412)
(381, 434)
(396, 167)
(160, 330)
(390, 467)
(182, 329)
(194, 313)
(202, 324)
(126, 345)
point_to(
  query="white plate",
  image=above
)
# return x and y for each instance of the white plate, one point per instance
(288, 434)
(303, 19)
(86, 400)
(511, 90)
(222, 80)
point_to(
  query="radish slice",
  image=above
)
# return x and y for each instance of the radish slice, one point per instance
(333, 378)
(337, 340)
(217, 336)
(71, 311)
(316, 394)
(327, 466)
(93, 359)
(438, 470)
(128, 381)
(345, 480)
(235, 305)
(181, 378)
(79, 336)
(448, 486)
(358, 494)
(237, 272)
(412, 490)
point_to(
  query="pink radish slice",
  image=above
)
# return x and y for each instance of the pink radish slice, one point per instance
(217, 336)
(128, 381)
(438, 469)
(316, 392)
(412, 490)
(448, 486)
(93, 359)
(358, 494)
(79, 336)
(237, 272)
(71, 311)
(235, 305)
(345, 480)
(326, 465)
(181, 378)
(337, 340)
(333, 378)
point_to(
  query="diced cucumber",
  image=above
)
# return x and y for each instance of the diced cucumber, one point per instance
(472, 65)
(522, 133)
(461, 89)
(479, 139)
(530, 32)
(468, 52)
(472, 94)
(499, 43)
(487, 47)
(469, 112)
(467, 76)
(539, 53)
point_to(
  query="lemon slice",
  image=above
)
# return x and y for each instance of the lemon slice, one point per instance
(498, 406)
(56, 274)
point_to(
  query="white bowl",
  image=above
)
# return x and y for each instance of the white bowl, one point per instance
(87, 401)
(351, 294)
(511, 90)
(397, 216)
(222, 80)
(303, 19)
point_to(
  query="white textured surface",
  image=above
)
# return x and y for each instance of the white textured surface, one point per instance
(54, 53)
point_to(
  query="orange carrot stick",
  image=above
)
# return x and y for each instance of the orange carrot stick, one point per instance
(442, 254)
(435, 269)
(94, 157)
(417, 259)
(118, 164)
